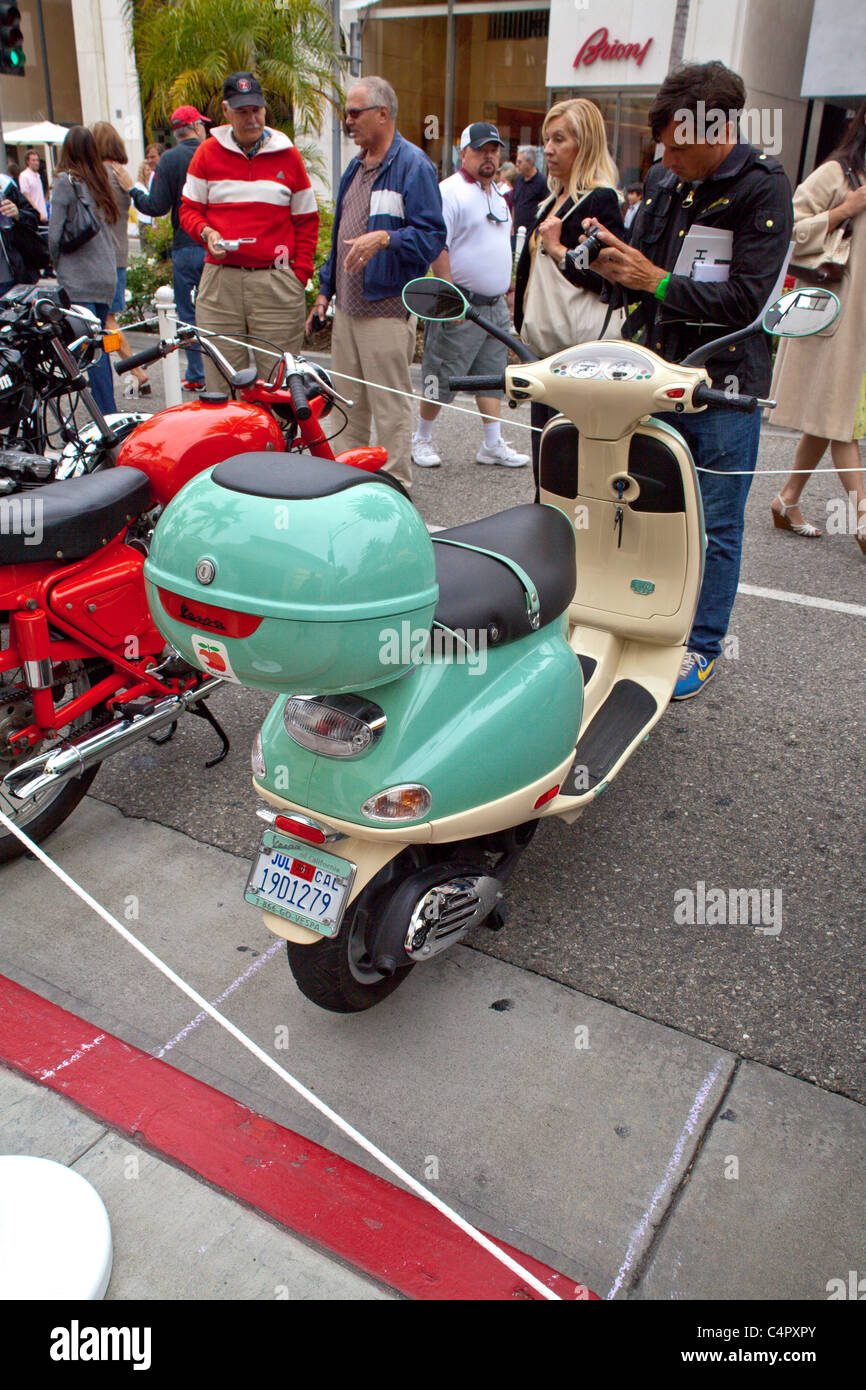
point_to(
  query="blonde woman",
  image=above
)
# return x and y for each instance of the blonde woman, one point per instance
(556, 305)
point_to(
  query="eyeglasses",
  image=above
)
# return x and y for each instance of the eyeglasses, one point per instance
(491, 215)
(352, 113)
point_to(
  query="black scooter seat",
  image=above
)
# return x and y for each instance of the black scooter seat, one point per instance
(70, 519)
(480, 593)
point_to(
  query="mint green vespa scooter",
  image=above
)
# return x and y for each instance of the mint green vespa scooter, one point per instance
(439, 695)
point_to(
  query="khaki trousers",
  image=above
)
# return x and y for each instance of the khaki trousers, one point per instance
(376, 351)
(267, 303)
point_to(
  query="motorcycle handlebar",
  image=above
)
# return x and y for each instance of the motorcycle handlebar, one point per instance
(475, 384)
(706, 395)
(140, 359)
(300, 404)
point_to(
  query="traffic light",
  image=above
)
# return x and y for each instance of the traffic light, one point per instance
(11, 40)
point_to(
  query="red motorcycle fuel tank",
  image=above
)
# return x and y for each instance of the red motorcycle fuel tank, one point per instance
(176, 444)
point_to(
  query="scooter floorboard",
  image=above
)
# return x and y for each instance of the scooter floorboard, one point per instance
(617, 723)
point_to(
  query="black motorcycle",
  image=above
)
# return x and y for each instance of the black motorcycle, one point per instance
(50, 426)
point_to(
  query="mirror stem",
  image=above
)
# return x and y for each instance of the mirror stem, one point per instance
(517, 347)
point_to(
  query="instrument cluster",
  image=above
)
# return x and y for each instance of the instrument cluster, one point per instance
(604, 362)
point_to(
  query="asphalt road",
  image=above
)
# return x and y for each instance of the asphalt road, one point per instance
(757, 784)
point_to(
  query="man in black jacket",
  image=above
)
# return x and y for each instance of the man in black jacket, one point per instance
(17, 266)
(707, 176)
(187, 255)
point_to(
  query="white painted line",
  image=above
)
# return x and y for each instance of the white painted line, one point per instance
(666, 1182)
(68, 1061)
(230, 989)
(804, 600)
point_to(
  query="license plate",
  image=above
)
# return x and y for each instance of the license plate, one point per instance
(302, 884)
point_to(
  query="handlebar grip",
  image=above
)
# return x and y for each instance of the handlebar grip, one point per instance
(477, 383)
(139, 359)
(299, 398)
(706, 395)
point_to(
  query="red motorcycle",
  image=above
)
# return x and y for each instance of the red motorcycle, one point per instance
(283, 414)
(83, 670)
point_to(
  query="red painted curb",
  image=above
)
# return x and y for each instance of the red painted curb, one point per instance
(387, 1233)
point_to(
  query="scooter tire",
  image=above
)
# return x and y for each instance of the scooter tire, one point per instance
(330, 972)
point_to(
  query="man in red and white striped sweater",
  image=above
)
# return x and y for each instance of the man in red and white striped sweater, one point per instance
(248, 181)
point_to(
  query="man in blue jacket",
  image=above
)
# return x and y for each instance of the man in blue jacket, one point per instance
(388, 228)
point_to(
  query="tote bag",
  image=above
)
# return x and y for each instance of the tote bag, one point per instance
(557, 314)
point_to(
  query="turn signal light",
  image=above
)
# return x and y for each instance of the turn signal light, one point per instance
(111, 342)
(408, 802)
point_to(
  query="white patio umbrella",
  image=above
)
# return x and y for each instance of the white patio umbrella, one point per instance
(45, 133)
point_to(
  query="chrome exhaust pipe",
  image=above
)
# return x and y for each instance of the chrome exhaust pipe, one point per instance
(60, 764)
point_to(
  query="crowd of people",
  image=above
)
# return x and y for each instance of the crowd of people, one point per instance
(245, 226)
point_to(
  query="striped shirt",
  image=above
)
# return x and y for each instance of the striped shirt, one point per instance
(266, 196)
(354, 216)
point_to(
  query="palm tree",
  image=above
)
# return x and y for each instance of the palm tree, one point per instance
(184, 49)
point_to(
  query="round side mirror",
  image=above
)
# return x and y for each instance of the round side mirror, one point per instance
(434, 299)
(801, 312)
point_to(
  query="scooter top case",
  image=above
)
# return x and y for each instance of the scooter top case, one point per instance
(280, 572)
(479, 733)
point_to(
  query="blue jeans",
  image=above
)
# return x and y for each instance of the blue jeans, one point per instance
(99, 376)
(186, 266)
(726, 442)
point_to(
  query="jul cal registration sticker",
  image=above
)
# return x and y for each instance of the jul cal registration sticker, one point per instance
(302, 884)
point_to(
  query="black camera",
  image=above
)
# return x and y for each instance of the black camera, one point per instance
(583, 255)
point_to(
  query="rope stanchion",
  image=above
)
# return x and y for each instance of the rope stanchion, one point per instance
(246, 1042)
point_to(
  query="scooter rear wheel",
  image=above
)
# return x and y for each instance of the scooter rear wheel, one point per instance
(336, 973)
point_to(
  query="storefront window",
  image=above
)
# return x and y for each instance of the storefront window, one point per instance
(500, 77)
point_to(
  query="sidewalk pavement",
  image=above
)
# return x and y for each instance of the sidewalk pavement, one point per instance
(633, 1159)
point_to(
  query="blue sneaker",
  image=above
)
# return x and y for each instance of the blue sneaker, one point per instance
(695, 672)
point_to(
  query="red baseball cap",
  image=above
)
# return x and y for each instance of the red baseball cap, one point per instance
(186, 115)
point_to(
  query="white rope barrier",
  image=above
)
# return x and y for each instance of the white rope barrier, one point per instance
(262, 1056)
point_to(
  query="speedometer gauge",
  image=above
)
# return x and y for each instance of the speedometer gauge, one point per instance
(621, 370)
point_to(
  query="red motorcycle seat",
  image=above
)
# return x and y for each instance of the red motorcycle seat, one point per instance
(71, 519)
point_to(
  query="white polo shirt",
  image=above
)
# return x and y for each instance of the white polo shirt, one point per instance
(479, 249)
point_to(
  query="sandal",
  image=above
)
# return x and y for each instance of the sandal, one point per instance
(780, 519)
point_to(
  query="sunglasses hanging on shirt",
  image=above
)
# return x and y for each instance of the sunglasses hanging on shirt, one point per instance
(491, 215)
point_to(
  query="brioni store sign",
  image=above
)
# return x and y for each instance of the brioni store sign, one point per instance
(621, 43)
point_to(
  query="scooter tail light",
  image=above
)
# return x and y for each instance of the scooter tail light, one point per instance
(342, 726)
(407, 802)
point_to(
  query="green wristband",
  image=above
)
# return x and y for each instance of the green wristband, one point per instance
(661, 288)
